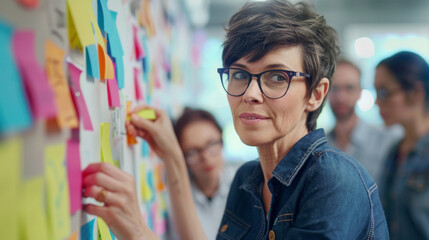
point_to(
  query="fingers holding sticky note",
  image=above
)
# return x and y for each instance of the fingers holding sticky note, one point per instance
(145, 113)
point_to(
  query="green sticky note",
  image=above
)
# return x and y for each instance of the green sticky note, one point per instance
(103, 230)
(10, 153)
(147, 114)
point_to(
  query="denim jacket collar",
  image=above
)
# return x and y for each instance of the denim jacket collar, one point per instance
(289, 166)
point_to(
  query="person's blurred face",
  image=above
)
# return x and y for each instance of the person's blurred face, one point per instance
(345, 91)
(201, 143)
(391, 99)
(259, 120)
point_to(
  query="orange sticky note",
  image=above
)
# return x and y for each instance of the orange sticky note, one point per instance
(55, 70)
(131, 140)
(106, 65)
(159, 184)
(73, 236)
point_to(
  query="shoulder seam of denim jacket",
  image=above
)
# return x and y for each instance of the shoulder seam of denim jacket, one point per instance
(301, 162)
(371, 230)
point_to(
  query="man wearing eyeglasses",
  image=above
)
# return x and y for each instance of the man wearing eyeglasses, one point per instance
(366, 143)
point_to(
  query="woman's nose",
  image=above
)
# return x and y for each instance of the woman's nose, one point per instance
(253, 93)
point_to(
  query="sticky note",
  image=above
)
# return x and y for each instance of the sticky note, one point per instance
(87, 230)
(80, 27)
(39, 91)
(146, 113)
(10, 174)
(74, 175)
(146, 192)
(55, 70)
(114, 41)
(119, 72)
(78, 99)
(57, 192)
(103, 230)
(159, 183)
(138, 91)
(73, 236)
(106, 151)
(14, 110)
(92, 66)
(113, 93)
(131, 140)
(33, 220)
(29, 3)
(138, 49)
(105, 64)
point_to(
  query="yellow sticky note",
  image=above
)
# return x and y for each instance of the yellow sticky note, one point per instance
(80, 20)
(55, 70)
(103, 230)
(145, 189)
(106, 151)
(10, 172)
(146, 113)
(32, 210)
(57, 192)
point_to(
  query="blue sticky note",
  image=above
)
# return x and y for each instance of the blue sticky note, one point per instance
(92, 67)
(87, 230)
(151, 184)
(111, 235)
(14, 110)
(145, 149)
(114, 42)
(119, 72)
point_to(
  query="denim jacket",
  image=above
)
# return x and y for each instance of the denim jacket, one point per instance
(318, 192)
(405, 193)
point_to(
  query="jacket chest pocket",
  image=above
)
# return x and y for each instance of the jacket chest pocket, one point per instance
(232, 227)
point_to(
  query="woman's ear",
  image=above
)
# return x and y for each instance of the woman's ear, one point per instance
(317, 96)
(416, 95)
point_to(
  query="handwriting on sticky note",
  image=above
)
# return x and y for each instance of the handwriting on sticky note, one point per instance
(55, 71)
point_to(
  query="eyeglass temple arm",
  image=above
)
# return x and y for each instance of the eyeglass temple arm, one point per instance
(300, 74)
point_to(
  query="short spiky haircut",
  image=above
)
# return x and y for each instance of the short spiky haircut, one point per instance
(259, 27)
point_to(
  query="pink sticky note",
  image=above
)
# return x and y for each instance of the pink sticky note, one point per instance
(158, 84)
(74, 174)
(78, 99)
(137, 44)
(40, 94)
(139, 95)
(113, 93)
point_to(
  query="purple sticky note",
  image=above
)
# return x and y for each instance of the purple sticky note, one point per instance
(40, 94)
(74, 175)
(79, 101)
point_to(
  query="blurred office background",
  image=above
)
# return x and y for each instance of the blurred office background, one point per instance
(368, 31)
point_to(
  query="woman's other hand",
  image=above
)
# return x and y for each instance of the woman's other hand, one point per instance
(117, 190)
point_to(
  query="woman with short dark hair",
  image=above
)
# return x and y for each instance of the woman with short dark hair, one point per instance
(277, 62)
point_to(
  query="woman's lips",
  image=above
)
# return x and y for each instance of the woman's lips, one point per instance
(251, 118)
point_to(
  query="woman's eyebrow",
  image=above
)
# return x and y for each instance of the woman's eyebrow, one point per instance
(238, 65)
